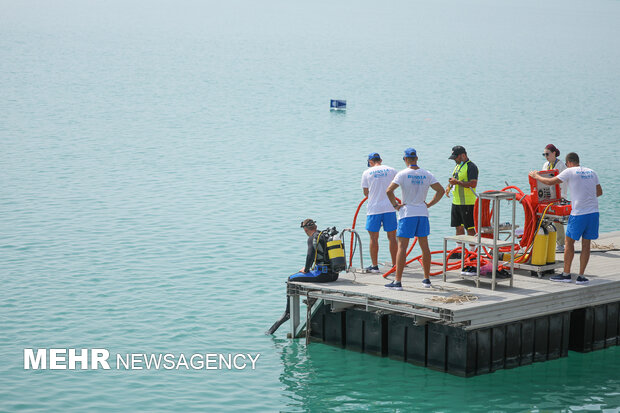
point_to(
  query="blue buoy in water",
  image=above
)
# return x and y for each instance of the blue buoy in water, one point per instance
(338, 104)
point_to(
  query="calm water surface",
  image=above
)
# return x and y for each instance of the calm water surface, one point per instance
(156, 159)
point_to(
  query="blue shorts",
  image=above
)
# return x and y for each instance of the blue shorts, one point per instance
(373, 222)
(585, 226)
(413, 227)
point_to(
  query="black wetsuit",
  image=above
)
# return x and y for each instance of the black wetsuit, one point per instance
(316, 275)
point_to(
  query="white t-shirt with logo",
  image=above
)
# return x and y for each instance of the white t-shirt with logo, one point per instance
(582, 184)
(377, 179)
(414, 184)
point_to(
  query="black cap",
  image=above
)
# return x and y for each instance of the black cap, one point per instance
(456, 151)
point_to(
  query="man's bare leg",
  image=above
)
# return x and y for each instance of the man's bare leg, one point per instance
(393, 245)
(585, 255)
(569, 253)
(401, 256)
(426, 255)
(374, 247)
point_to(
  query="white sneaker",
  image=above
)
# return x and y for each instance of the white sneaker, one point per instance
(559, 248)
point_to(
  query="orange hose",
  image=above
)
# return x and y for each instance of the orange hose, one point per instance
(353, 227)
(357, 211)
(519, 191)
(470, 259)
(485, 214)
(415, 239)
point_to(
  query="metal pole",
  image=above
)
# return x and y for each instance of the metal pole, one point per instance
(308, 317)
(445, 258)
(479, 244)
(294, 301)
(496, 204)
(512, 246)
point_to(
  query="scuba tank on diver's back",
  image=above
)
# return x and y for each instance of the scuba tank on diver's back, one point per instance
(330, 251)
(335, 253)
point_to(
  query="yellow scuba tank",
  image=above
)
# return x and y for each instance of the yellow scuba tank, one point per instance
(539, 249)
(329, 252)
(335, 253)
(551, 244)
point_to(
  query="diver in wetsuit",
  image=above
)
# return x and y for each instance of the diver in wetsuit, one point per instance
(322, 271)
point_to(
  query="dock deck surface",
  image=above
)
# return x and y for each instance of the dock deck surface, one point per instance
(529, 297)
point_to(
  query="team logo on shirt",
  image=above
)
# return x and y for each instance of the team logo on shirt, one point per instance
(417, 179)
(379, 173)
(585, 174)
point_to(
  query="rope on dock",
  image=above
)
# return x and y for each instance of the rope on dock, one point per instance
(446, 287)
(608, 247)
(453, 299)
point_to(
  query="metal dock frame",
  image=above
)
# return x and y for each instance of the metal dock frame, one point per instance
(495, 197)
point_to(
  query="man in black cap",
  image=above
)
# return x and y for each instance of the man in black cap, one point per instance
(463, 182)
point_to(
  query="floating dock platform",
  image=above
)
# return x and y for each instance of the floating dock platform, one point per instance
(457, 328)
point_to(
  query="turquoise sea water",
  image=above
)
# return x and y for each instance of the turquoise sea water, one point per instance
(156, 159)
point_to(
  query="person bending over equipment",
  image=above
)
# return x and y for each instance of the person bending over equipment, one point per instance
(584, 188)
(414, 182)
(380, 212)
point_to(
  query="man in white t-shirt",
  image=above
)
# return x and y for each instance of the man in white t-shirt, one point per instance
(380, 211)
(414, 182)
(584, 188)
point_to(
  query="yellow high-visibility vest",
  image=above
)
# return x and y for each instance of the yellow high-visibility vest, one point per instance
(462, 195)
